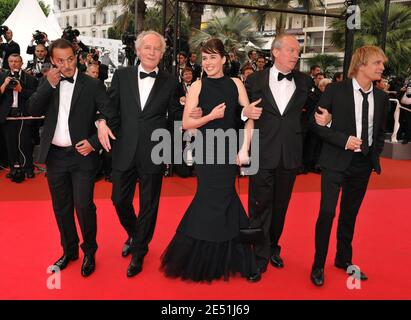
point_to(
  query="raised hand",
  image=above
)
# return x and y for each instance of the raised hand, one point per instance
(218, 111)
(252, 111)
(104, 135)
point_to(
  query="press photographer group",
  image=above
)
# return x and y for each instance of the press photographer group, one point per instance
(20, 132)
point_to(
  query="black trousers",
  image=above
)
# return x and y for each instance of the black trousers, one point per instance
(269, 193)
(19, 135)
(141, 227)
(70, 188)
(353, 184)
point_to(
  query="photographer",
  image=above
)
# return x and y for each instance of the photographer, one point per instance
(16, 87)
(8, 47)
(35, 66)
(39, 38)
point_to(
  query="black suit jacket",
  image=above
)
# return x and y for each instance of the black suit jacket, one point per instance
(6, 49)
(89, 96)
(132, 125)
(196, 70)
(280, 135)
(29, 85)
(338, 99)
(32, 64)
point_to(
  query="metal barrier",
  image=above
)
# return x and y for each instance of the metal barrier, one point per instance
(397, 119)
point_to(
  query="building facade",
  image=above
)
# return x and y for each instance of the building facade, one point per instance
(82, 15)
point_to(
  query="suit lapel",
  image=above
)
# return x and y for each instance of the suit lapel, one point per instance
(298, 92)
(133, 81)
(78, 86)
(265, 85)
(158, 83)
(351, 105)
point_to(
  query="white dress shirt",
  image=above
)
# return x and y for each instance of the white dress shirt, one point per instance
(16, 95)
(358, 110)
(282, 90)
(145, 85)
(61, 136)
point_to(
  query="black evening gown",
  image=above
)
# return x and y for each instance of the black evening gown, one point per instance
(206, 245)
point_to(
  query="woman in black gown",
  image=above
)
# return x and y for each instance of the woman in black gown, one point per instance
(206, 245)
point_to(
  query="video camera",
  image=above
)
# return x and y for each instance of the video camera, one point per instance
(70, 34)
(39, 37)
(128, 39)
(128, 42)
(3, 30)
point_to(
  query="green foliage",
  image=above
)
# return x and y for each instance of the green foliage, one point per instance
(398, 45)
(328, 63)
(7, 7)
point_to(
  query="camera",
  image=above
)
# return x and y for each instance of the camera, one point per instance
(70, 34)
(18, 174)
(408, 90)
(128, 39)
(14, 81)
(94, 53)
(3, 30)
(39, 37)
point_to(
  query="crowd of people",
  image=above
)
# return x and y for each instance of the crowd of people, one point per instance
(19, 137)
(302, 124)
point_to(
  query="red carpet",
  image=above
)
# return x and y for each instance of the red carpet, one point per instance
(29, 243)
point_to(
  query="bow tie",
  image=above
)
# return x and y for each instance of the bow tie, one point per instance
(40, 62)
(69, 79)
(288, 76)
(144, 75)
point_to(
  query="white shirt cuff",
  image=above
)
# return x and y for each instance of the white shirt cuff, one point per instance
(243, 117)
(97, 121)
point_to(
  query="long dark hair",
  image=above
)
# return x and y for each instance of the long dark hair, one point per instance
(214, 45)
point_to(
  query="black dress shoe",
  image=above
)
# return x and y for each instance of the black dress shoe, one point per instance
(64, 260)
(255, 277)
(10, 175)
(30, 174)
(126, 248)
(88, 266)
(135, 266)
(276, 261)
(405, 141)
(317, 276)
(353, 270)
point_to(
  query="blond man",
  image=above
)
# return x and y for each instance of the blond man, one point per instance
(352, 143)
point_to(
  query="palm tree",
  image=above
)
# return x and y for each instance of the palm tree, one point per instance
(194, 11)
(234, 30)
(328, 63)
(126, 18)
(398, 46)
(261, 16)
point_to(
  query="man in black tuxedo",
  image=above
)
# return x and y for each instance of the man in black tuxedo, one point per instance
(352, 145)
(8, 48)
(142, 96)
(69, 147)
(284, 93)
(16, 87)
(192, 58)
(35, 66)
